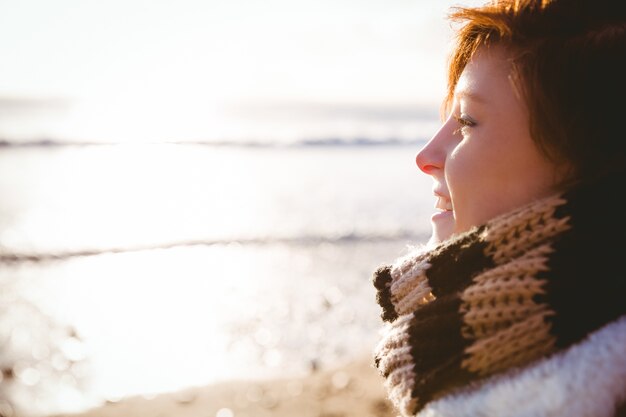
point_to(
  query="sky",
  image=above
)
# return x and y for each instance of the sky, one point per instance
(134, 62)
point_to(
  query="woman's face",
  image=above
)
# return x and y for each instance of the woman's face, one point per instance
(483, 160)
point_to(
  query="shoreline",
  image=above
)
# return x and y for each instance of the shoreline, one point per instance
(352, 389)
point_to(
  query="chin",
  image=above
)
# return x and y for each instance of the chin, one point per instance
(443, 226)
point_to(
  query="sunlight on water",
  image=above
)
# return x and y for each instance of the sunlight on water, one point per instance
(102, 197)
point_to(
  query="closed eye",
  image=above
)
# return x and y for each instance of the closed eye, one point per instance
(464, 122)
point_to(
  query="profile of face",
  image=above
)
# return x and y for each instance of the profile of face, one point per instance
(483, 160)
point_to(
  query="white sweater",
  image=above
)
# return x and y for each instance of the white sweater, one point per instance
(586, 380)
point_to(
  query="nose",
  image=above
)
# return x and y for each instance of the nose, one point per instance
(432, 156)
(424, 162)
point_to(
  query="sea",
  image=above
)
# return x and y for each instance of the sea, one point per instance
(137, 268)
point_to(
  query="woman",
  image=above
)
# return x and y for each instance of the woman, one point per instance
(518, 304)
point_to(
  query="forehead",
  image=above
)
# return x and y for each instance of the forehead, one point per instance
(487, 74)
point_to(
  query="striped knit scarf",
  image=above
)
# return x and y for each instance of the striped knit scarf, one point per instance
(517, 289)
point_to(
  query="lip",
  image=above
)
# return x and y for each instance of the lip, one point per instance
(442, 215)
(442, 220)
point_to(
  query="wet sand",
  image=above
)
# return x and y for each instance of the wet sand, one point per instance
(355, 389)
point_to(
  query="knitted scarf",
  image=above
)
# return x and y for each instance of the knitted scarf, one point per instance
(522, 287)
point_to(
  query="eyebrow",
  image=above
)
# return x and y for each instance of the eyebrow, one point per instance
(470, 95)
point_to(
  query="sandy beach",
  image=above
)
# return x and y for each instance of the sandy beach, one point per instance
(353, 389)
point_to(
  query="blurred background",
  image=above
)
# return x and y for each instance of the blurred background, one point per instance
(193, 191)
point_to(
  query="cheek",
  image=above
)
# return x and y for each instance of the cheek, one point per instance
(491, 176)
(477, 179)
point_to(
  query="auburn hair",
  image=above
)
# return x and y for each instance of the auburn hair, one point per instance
(568, 60)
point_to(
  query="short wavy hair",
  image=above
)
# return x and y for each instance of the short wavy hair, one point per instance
(568, 61)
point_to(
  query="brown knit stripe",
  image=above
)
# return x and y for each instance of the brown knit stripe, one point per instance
(437, 347)
(382, 282)
(504, 295)
(511, 235)
(516, 345)
(435, 333)
(430, 385)
(453, 265)
(586, 282)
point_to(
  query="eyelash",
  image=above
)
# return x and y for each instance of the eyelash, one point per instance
(464, 122)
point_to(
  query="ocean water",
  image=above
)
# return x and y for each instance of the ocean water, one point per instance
(138, 269)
